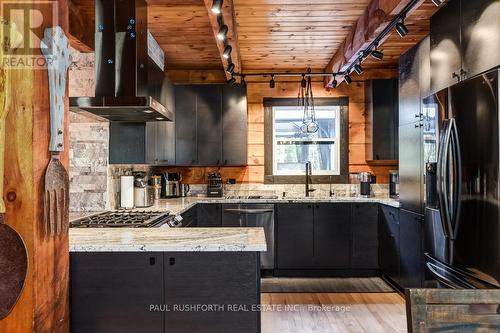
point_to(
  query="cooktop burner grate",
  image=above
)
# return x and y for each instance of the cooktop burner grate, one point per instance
(124, 219)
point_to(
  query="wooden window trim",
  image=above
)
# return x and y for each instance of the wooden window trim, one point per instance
(269, 178)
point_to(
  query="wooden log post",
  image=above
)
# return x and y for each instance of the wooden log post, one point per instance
(43, 306)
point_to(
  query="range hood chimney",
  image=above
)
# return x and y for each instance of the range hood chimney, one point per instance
(129, 66)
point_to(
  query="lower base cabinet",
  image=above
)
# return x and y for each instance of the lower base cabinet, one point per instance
(182, 292)
(411, 249)
(389, 242)
(327, 236)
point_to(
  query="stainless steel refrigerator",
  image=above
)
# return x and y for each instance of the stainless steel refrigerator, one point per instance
(462, 206)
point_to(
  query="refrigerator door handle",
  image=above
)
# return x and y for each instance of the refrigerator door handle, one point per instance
(442, 177)
(457, 181)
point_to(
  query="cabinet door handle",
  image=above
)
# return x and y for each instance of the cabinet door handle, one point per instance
(192, 161)
(152, 261)
(171, 261)
(218, 162)
(454, 75)
(225, 162)
(419, 125)
(418, 115)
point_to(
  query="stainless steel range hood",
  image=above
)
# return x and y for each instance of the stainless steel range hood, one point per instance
(129, 66)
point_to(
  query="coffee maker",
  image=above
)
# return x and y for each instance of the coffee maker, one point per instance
(366, 179)
(170, 185)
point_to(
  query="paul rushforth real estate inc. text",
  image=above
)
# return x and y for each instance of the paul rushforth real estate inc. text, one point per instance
(248, 308)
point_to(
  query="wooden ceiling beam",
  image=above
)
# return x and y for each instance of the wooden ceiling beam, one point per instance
(228, 16)
(377, 15)
(81, 28)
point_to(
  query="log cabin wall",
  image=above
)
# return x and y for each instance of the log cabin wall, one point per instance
(256, 92)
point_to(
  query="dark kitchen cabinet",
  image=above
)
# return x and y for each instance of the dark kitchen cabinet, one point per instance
(209, 215)
(112, 292)
(127, 143)
(411, 249)
(480, 32)
(411, 167)
(364, 225)
(229, 281)
(186, 148)
(234, 125)
(332, 236)
(382, 104)
(409, 87)
(209, 124)
(388, 231)
(445, 56)
(160, 143)
(294, 236)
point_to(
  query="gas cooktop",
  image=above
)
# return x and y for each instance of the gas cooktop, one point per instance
(130, 219)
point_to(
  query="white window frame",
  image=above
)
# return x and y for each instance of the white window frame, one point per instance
(336, 145)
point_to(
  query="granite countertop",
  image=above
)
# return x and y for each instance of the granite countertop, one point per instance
(166, 239)
(180, 205)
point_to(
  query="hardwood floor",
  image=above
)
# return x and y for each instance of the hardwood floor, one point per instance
(333, 312)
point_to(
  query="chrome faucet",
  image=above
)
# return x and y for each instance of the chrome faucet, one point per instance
(308, 179)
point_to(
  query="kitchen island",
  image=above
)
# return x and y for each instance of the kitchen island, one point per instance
(165, 279)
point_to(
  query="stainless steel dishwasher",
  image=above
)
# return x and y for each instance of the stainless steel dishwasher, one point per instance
(253, 215)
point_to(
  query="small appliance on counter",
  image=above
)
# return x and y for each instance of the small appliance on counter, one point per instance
(214, 185)
(394, 184)
(366, 179)
(143, 193)
(126, 192)
(184, 190)
(170, 185)
(155, 182)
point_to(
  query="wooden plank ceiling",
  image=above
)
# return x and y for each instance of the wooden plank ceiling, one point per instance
(273, 35)
(182, 29)
(288, 34)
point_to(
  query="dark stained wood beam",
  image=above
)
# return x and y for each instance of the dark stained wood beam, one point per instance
(376, 17)
(81, 29)
(232, 35)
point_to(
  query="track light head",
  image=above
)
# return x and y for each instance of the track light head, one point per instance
(437, 2)
(358, 69)
(217, 6)
(334, 82)
(348, 79)
(401, 29)
(227, 51)
(303, 82)
(232, 80)
(272, 83)
(377, 54)
(230, 68)
(222, 33)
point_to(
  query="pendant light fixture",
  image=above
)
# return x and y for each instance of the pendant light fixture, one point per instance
(222, 35)
(358, 69)
(230, 68)
(217, 6)
(348, 79)
(401, 28)
(227, 51)
(272, 84)
(334, 82)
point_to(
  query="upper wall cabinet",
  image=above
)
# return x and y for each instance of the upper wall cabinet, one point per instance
(381, 120)
(414, 82)
(446, 59)
(480, 27)
(465, 41)
(211, 125)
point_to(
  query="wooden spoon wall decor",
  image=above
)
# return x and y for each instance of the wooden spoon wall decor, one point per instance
(13, 254)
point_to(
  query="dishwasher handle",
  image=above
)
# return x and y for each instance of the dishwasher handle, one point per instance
(248, 211)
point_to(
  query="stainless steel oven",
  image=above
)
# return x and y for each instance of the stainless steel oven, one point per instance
(253, 215)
